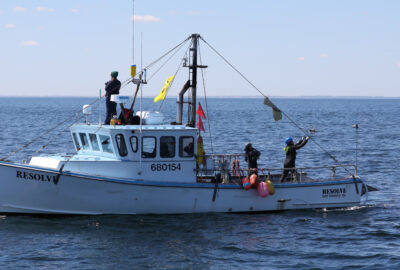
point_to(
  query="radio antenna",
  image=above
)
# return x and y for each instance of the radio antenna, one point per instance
(133, 32)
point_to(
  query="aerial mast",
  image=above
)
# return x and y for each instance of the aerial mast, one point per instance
(193, 79)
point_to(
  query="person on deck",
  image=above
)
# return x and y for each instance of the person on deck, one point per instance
(290, 161)
(112, 88)
(251, 156)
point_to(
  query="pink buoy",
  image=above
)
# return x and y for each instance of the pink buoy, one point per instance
(262, 189)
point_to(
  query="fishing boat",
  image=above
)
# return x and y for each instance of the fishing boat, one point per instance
(145, 164)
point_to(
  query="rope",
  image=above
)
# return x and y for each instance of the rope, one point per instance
(287, 116)
(55, 137)
(179, 68)
(167, 61)
(205, 99)
(162, 56)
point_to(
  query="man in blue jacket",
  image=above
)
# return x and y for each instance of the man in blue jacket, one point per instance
(290, 161)
(112, 88)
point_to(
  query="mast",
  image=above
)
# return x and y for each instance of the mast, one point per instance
(193, 79)
(190, 84)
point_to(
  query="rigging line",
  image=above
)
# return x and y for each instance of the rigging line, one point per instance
(57, 136)
(167, 61)
(287, 116)
(179, 67)
(46, 132)
(205, 98)
(162, 56)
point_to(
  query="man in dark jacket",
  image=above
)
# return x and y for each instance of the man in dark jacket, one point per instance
(251, 156)
(112, 88)
(290, 161)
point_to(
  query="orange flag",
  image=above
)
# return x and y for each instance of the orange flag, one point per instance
(200, 112)
(200, 125)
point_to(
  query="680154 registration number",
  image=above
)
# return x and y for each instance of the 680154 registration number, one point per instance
(158, 167)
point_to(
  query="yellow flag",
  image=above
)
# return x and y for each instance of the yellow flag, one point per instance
(164, 90)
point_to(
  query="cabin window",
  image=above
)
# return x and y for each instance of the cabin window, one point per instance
(106, 144)
(123, 151)
(76, 142)
(84, 141)
(94, 142)
(186, 146)
(134, 143)
(149, 145)
(167, 146)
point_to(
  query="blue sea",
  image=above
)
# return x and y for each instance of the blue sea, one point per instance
(365, 237)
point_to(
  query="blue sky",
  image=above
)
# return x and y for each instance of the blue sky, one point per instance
(287, 48)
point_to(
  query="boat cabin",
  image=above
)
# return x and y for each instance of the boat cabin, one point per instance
(147, 152)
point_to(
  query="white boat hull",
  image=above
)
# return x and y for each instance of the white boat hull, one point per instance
(29, 189)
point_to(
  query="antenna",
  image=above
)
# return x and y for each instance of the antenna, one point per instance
(100, 106)
(356, 127)
(141, 50)
(133, 32)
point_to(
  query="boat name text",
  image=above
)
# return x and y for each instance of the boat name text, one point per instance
(158, 167)
(333, 192)
(36, 176)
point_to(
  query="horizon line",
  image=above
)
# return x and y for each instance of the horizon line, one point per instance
(233, 97)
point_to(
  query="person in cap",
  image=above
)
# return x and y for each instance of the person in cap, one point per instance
(112, 88)
(290, 161)
(251, 157)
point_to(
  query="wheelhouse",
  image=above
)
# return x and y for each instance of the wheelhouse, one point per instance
(132, 143)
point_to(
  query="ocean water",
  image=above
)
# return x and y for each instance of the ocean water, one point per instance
(365, 237)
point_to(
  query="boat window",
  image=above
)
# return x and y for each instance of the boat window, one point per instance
(84, 141)
(167, 146)
(186, 146)
(94, 142)
(149, 147)
(106, 143)
(123, 151)
(76, 141)
(134, 144)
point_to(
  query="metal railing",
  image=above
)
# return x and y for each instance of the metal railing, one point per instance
(219, 168)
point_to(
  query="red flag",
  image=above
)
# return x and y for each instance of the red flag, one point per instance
(200, 125)
(200, 112)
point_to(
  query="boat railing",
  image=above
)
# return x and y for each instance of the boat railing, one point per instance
(221, 168)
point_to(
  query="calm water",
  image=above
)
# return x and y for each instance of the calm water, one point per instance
(364, 237)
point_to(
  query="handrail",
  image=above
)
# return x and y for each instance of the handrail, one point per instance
(301, 172)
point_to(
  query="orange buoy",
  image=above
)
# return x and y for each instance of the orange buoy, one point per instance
(246, 183)
(253, 179)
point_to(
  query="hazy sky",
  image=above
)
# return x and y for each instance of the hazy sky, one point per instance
(287, 48)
